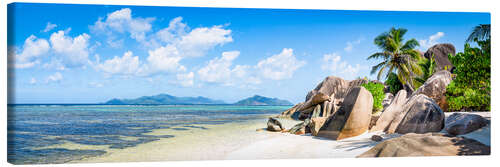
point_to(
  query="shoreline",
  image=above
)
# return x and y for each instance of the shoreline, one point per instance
(249, 141)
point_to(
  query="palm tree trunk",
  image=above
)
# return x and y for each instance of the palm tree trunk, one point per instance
(408, 89)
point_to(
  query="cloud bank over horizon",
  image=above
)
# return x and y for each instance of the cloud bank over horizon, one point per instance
(131, 51)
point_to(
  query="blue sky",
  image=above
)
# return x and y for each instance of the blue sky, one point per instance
(92, 53)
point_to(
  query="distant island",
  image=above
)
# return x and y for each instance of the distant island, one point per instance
(166, 99)
(262, 101)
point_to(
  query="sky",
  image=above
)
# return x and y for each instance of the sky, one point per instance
(61, 53)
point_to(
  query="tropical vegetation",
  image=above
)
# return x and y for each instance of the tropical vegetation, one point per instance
(428, 67)
(377, 91)
(471, 88)
(393, 82)
(397, 56)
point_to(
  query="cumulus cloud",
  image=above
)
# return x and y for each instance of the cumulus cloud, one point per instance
(175, 29)
(350, 45)
(125, 65)
(164, 59)
(32, 49)
(121, 21)
(221, 70)
(432, 40)
(197, 42)
(161, 60)
(49, 27)
(73, 52)
(186, 80)
(280, 66)
(333, 63)
(218, 69)
(56, 77)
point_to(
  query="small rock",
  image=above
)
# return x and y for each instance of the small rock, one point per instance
(377, 138)
(274, 125)
(300, 128)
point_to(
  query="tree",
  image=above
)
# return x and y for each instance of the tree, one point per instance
(428, 67)
(471, 88)
(398, 56)
(480, 33)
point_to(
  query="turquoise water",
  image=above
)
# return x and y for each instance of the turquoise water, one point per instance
(32, 129)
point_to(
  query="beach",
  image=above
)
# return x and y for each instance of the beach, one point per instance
(247, 141)
(238, 141)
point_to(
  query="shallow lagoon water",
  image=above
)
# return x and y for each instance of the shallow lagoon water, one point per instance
(39, 134)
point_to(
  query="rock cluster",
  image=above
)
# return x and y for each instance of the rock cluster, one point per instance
(428, 144)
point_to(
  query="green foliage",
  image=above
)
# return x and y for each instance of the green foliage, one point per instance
(471, 88)
(394, 84)
(398, 56)
(377, 91)
(428, 67)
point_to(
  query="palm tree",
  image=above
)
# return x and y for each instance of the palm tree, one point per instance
(480, 33)
(428, 68)
(397, 56)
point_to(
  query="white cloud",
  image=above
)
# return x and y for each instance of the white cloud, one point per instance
(55, 64)
(280, 66)
(186, 80)
(350, 44)
(73, 52)
(174, 30)
(49, 27)
(56, 77)
(33, 48)
(432, 40)
(122, 21)
(164, 59)
(125, 65)
(333, 63)
(218, 69)
(202, 39)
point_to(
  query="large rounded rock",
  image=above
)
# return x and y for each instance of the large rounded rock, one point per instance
(329, 86)
(353, 117)
(317, 98)
(316, 124)
(435, 88)
(390, 112)
(429, 144)
(461, 123)
(441, 52)
(420, 114)
(274, 125)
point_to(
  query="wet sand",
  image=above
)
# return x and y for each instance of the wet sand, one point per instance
(243, 141)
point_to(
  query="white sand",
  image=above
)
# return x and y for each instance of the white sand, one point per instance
(238, 141)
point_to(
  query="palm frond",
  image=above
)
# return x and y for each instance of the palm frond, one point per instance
(481, 32)
(410, 44)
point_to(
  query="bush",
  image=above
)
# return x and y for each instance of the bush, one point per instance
(471, 88)
(377, 91)
(394, 84)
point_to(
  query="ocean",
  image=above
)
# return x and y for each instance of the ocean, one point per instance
(37, 134)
